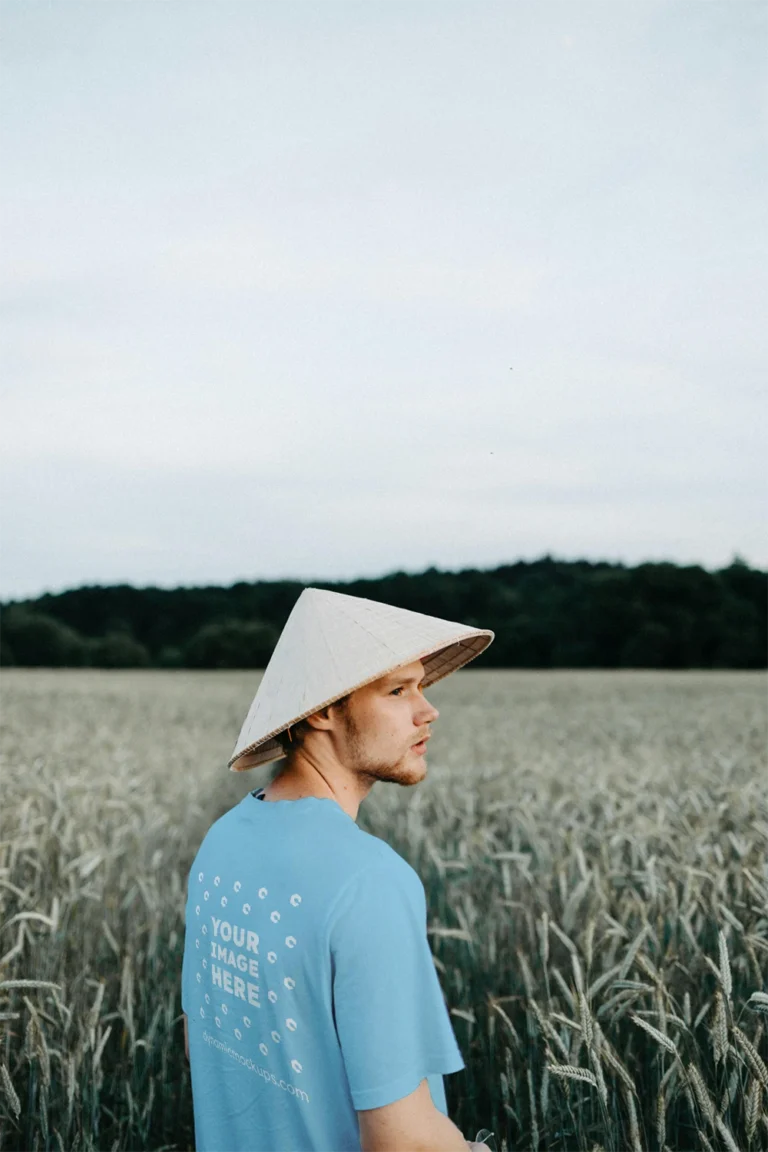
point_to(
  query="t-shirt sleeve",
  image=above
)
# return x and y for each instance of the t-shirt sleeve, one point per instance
(391, 1018)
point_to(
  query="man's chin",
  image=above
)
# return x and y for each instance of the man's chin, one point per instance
(414, 771)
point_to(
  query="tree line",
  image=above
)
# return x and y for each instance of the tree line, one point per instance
(546, 613)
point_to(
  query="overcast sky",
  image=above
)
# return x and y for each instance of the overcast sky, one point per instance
(326, 290)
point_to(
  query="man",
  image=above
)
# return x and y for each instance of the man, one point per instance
(313, 1016)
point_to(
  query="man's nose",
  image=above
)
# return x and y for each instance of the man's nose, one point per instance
(431, 715)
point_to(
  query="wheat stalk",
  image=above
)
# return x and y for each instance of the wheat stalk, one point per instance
(562, 937)
(532, 1103)
(719, 1029)
(585, 1020)
(544, 1093)
(725, 966)
(613, 1062)
(661, 1119)
(752, 1107)
(726, 1134)
(758, 1002)
(632, 951)
(602, 1087)
(10, 1091)
(659, 1037)
(634, 1130)
(578, 976)
(571, 1072)
(43, 1112)
(589, 941)
(753, 1056)
(102, 1043)
(544, 939)
(702, 1095)
(29, 984)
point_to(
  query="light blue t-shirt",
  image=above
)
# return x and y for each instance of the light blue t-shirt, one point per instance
(307, 980)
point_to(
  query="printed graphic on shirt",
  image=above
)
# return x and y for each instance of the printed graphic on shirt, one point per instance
(245, 949)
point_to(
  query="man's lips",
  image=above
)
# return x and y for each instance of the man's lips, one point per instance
(419, 743)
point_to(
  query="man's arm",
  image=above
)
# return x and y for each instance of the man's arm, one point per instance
(186, 1037)
(412, 1122)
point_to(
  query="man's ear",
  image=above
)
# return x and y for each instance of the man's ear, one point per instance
(321, 719)
(324, 718)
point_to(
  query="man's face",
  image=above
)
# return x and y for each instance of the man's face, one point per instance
(382, 723)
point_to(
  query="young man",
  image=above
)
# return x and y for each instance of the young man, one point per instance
(314, 1019)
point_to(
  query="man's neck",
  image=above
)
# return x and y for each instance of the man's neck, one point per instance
(295, 783)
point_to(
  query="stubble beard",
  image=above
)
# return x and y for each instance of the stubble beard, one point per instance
(369, 769)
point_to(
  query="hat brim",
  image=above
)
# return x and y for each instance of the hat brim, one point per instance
(439, 662)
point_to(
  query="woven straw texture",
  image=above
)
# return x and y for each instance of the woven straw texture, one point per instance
(333, 644)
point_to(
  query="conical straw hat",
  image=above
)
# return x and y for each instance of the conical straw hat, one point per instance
(333, 644)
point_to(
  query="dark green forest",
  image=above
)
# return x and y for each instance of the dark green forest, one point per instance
(546, 613)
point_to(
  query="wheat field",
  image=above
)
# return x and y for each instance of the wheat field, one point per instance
(594, 849)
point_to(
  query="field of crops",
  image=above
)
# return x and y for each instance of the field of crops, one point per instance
(594, 848)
